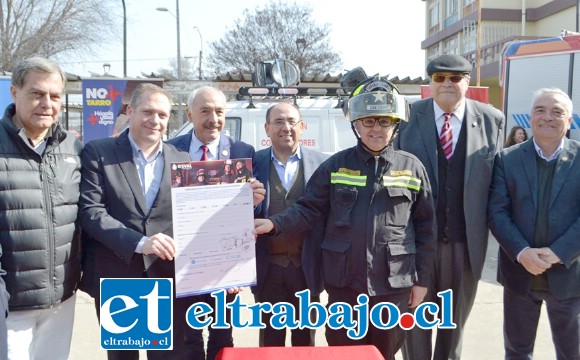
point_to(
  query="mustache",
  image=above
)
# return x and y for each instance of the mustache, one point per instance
(214, 126)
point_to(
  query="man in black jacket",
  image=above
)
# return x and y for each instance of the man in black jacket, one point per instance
(39, 190)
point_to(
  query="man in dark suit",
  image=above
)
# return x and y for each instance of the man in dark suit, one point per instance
(456, 139)
(125, 207)
(534, 215)
(286, 263)
(206, 109)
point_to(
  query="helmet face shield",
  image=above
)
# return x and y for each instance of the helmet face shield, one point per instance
(377, 104)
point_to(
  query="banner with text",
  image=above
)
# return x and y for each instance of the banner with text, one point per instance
(105, 104)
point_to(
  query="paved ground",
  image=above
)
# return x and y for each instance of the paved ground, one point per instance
(483, 334)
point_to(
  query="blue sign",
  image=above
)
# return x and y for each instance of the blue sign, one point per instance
(136, 314)
(5, 96)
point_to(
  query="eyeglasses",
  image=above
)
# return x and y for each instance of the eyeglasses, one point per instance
(281, 123)
(439, 78)
(370, 122)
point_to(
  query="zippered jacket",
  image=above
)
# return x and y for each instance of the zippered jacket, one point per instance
(38, 212)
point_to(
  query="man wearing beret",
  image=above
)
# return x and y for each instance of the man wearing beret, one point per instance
(456, 139)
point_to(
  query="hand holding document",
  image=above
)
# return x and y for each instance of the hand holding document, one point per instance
(212, 226)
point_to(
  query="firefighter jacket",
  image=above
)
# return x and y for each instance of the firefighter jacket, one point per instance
(380, 233)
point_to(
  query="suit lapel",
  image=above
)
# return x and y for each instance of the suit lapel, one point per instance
(224, 148)
(428, 131)
(563, 166)
(530, 167)
(474, 133)
(124, 154)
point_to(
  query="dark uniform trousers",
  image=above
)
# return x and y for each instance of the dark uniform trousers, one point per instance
(390, 340)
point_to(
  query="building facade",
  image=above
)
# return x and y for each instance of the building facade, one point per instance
(452, 28)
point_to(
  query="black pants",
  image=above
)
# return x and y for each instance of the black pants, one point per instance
(388, 342)
(521, 316)
(451, 271)
(218, 338)
(280, 285)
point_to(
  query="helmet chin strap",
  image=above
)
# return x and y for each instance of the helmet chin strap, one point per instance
(395, 132)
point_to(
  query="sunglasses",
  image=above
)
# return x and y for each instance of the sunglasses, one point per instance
(441, 78)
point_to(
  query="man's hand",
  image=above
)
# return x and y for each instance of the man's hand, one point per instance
(533, 262)
(263, 226)
(417, 296)
(549, 256)
(160, 245)
(258, 191)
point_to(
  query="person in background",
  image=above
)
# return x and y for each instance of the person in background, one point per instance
(533, 213)
(517, 135)
(125, 208)
(287, 263)
(456, 139)
(206, 111)
(377, 208)
(39, 192)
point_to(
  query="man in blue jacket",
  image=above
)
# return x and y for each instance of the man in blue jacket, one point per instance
(286, 263)
(206, 110)
(533, 213)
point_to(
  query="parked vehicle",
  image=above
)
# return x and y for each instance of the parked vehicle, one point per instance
(534, 64)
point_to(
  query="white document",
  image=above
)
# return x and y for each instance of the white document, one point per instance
(212, 229)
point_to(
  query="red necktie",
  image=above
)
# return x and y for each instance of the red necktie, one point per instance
(446, 137)
(204, 155)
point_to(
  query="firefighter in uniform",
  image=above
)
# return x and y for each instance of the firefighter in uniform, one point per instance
(378, 209)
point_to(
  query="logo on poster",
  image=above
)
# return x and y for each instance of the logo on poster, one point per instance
(136, 314)
(101, 96)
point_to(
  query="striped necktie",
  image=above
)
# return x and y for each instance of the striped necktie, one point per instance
(446, 137)
(204, 155)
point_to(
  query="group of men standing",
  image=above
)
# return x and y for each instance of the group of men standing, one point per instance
(399, 217)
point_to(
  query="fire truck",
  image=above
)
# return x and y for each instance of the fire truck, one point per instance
(530, 65)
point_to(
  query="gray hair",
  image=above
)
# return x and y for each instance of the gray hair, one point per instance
(146, 89)
(553, 92)
(38, 64)
(194, 93)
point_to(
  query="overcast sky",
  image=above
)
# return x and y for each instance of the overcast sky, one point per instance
(382, 36)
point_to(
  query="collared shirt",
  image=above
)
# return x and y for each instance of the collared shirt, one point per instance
(554, 155)
(41, 146)
(195, 150)
(150, 171)
(456, 120)
(287, 172)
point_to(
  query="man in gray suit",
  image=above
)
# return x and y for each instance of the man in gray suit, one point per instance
(286, 263)
(456, 139)
(125, 208)
(534, 215)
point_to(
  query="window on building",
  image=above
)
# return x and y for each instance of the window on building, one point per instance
(451, 8)
(467, 2)
(433, 14)
(450, 46)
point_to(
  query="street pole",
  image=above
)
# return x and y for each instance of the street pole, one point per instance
(200, 50)
(124, 39)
